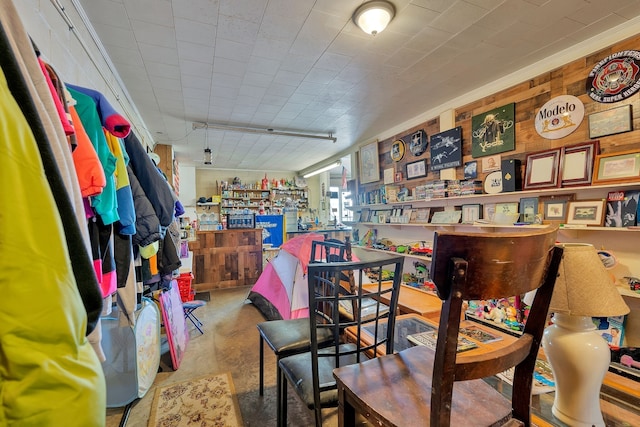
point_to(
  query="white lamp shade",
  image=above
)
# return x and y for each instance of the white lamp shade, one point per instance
(374, 16)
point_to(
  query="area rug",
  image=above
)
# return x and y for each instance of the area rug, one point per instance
(203, 402)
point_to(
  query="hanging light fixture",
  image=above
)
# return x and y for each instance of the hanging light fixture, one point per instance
(373, 17)
(208, 154)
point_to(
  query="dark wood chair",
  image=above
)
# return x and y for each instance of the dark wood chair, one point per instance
(291, 336)
(310, 374)
(418, 386)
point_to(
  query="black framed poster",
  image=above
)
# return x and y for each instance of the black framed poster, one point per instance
(446, 149)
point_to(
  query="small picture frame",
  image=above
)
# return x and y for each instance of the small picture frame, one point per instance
(421, 215)
(507, 208)
(586, 212)
(555, 210)
(491, 163)
(542, 169)
(471, 170)
(617, 167)
(610, 122)
(488, 211)
(397, 177)
(471, 213)
(576, 163)
(417, 169)
(528, 209)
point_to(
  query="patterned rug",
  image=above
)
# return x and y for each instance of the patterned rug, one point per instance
(201, 402)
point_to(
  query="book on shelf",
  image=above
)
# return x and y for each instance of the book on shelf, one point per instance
(430, 338)
(613, 216)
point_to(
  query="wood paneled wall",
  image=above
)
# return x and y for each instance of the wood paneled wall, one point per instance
(528, 96)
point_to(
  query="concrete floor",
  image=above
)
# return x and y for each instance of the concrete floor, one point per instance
(230, 344)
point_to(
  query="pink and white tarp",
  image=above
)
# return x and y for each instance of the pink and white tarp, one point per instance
(283, 282)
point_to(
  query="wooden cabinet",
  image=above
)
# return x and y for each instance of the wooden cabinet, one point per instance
(226, 258)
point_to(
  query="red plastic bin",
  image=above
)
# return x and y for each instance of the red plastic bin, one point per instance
(184, 286)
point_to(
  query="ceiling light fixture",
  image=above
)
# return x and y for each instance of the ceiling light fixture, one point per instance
(322, 169)
(373, 17)
(208, 156)
(267, 131)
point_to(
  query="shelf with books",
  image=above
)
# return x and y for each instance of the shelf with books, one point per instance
(407, 255)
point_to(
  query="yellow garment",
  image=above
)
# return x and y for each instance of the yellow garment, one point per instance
(122, 178)
(49, 374)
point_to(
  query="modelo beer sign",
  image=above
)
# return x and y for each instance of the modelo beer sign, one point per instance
(559, 117)
(615, 78)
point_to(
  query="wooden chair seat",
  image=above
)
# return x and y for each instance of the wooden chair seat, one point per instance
(399, 388)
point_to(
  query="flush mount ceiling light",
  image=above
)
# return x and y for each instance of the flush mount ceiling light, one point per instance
(373, 17)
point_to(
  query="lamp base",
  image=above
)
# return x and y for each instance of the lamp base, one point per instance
(579, 358)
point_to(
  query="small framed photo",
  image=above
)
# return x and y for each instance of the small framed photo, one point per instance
(586, 212)
(528, 209)
(471, 213)
(398, 177)
(488, 211)
(542, 169)
(555, 210)
(507, 208)
(576, 163)
(471, 170)
(417, 169)
(491, 163)
(617, 167)
(610, 122)
(421, 215)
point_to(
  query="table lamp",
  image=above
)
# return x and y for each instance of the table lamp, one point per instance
(579, 356)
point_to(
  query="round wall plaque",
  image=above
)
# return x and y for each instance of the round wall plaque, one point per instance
(493, 183)
(559, 117)
(615, 77)
(397, 150)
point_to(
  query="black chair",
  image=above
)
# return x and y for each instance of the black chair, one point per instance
(310, 374)
(291, 336)
(441, 387)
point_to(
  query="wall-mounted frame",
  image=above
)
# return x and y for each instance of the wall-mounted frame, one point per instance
(446, 149)
(417, 169)
(576, 163)
(611, 122)
(555, 210)
(493, 131)
(471, 170)
(369, 163)
(554, 207)
(586, 212)
(471, 213)
(528, 209)
(543, 169)
(617, 167)
(397, 150)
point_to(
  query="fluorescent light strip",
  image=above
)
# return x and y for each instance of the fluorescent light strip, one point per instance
(322, 169)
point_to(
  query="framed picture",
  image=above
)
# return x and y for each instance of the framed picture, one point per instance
(528, 209)
(576, 163)
(507, 208)
(471, 170)
(610, 122)
(493, 132)
(542, 169)
(491, 163)
(388, 176)
(617, 167)
(397, 150)
(446, 149)
(470, 213)
(369, 166)
(398, 177)
(421, 215)
(488, 211)
(555, 210)
(586, 212)
(554, 206)
(417, 169)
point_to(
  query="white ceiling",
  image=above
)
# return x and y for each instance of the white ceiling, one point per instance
(303, 66)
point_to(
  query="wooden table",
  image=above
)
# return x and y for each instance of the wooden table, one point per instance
(412, 300)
